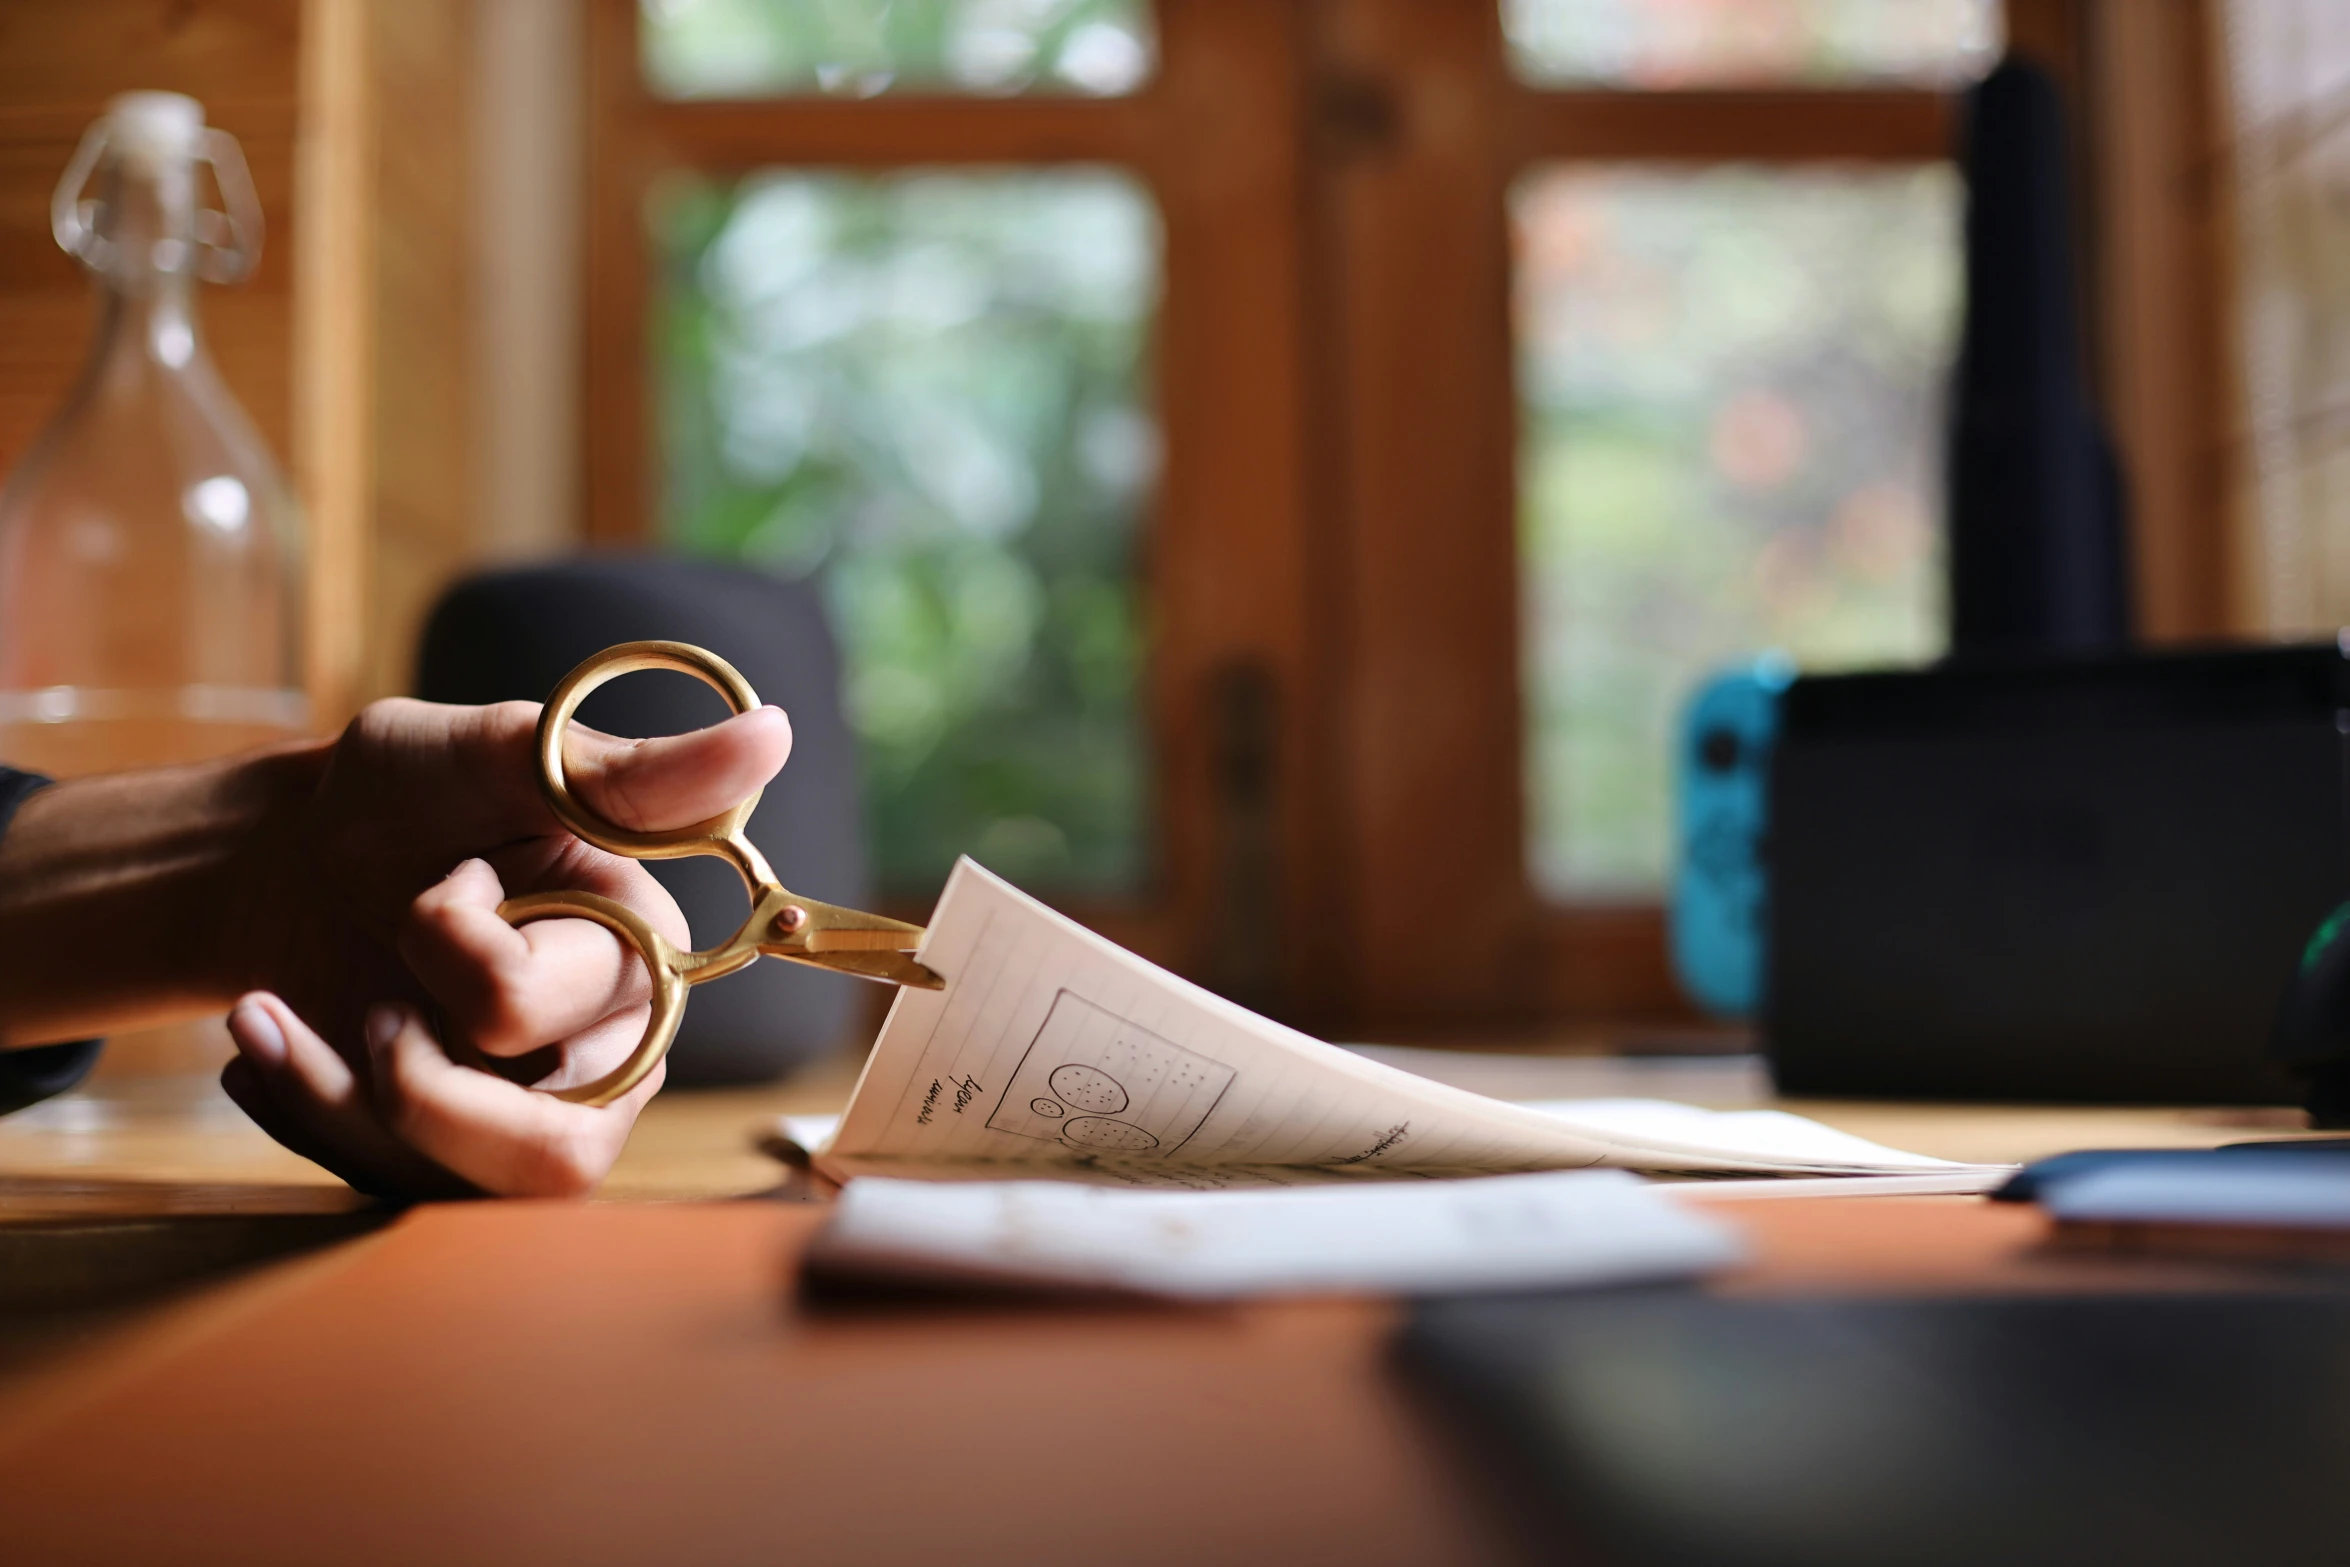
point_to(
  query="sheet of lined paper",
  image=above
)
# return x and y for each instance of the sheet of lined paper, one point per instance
(1051, 1045)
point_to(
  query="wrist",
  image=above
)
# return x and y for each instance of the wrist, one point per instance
(256, 811)
(137, 897)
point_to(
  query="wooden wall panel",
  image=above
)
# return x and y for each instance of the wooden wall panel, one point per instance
(529, 156)
(335, 340)
(388, 328)
(352, 112)
(2162, 294)
(617, 395)
(425, 531)
(2142, 80)
(59, 63)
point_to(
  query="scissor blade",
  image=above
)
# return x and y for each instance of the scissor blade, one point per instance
(848, 941)
(835, 924)
(890, 968)
(864, 940)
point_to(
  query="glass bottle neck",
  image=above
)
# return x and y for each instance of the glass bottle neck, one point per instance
(145, 267)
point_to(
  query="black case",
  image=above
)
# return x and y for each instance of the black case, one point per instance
(2082, 880)
(513, 634)
(1675, 1428)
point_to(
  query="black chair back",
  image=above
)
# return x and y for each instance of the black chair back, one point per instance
(513, 634)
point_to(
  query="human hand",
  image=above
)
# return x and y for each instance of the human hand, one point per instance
(381, 967)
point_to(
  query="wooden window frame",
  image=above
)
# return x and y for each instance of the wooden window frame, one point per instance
(1212, 137)
(1337, 525)
(1433, 704)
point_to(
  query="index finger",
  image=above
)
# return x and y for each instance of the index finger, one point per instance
(514, 989)
(501, 1136)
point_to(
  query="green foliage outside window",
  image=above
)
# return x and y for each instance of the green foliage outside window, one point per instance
(927, 390)
(1731, 383)
(1685, 43)
(859, 48)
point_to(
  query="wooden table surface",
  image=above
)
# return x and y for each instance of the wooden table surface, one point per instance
(635, 1380)
(133, 1144)
(626, 1383)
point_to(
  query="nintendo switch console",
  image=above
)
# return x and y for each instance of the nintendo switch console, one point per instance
(2053, 880)
(1722, 775)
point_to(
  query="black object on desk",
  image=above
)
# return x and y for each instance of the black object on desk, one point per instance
(1654, 1427)
(2034, 1180)
(513, 634)
(2053, 879)
(2313, 1025)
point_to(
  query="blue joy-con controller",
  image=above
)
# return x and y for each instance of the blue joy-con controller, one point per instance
(1721, 768)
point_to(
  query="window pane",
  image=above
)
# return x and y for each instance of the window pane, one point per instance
(1679, 43)
(928, 390)
(858, 48)
(2289, 70)
(1731, 384)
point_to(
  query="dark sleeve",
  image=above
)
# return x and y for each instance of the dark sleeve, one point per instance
(30, 1075)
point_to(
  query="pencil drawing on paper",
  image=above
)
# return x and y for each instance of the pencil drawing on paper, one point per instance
(1093, 1081)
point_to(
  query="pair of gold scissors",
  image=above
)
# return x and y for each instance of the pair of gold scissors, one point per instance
(781, 924)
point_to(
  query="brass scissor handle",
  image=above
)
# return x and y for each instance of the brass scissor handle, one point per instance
(781, 924)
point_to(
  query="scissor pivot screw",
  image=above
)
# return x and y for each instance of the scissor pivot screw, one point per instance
(791, 919)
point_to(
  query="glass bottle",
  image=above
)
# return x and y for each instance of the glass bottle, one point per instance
(150, 581)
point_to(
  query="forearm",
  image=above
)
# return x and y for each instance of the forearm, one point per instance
(138, 897)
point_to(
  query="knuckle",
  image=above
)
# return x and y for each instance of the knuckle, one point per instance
(384, 717)
(507, 721)
(566, 1160)
(428, 1127)
(632, 974)
(489, 990)
(618, 787)
(643, 893)
(413, 1118)
(504, 1009)
(428, 912)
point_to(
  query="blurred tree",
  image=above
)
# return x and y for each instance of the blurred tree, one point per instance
(927, 389)
(858, 48)
(1731, 384)
(1681, 43)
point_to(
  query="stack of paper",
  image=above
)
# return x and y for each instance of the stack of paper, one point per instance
(1054, 1049)
(1418, 1237)
(1055, 1057)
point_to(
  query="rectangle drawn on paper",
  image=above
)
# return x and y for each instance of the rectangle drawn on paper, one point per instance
(1096, 1083)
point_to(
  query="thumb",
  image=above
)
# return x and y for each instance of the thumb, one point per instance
(677, 780)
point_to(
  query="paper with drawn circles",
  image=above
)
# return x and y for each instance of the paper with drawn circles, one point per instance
(1094, 1081)
(1089, 1088)
(1052, 1046)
